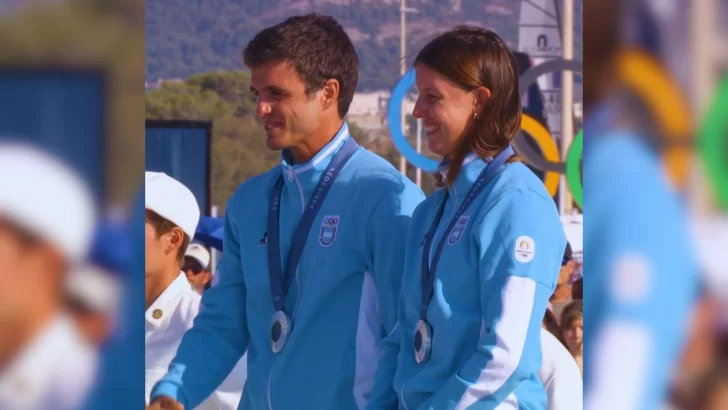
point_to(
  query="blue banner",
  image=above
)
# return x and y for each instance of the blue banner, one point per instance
(181, 149)
(62, 111)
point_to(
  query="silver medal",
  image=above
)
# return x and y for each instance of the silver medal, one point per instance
(279, 331)
(422, 341)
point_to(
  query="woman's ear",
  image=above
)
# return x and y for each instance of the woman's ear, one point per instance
(482, 95)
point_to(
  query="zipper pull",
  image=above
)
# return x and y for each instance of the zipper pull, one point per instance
(290, 174)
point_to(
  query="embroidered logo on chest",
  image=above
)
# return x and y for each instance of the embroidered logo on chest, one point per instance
(329, 226)
(457, 230)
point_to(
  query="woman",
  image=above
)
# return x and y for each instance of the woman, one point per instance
(572, 328)
(492, 241)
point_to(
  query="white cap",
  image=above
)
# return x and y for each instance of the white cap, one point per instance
(96, 288)
(41, 194)
(197, 251)
(171, 200)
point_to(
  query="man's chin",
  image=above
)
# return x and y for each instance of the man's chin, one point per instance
(274, 143)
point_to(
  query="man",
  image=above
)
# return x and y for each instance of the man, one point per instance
(196, 267)
(562, 294)
(314, 326)
(172, 214)
(47, 217)
(642, 279)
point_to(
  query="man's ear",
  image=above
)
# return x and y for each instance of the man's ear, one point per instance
(330, 93)
(176, 238)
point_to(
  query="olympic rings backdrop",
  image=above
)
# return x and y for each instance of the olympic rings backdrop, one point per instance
(642, 74)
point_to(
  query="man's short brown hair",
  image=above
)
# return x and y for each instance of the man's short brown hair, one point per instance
(162, 226)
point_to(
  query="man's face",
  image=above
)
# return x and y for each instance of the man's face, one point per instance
(154, 250)
(196, 274)
(24, 263)
(288, 113)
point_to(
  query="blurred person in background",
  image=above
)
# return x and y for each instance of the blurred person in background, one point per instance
(47, 218)
(642, 276)
(562, 294)
(197, 267)
(172, 214)
(93, 289)
(560, 375)
(577, 289)
(483, 252)
(712, 390)
(551, 323)
(312, 329)
(572, 330)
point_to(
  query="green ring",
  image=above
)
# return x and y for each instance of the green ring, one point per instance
(713, 143)
(573, 168)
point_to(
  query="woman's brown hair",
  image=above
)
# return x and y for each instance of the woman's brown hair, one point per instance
(475, 57)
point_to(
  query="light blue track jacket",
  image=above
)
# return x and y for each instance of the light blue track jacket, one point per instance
(491, 290)
(342, 300)
(642, 276)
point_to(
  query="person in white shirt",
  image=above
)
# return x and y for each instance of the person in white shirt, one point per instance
(197, 268)
(47, 219)
(172, 214)
(559, 372)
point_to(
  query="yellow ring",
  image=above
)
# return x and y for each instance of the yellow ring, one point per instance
(546, 143)
(645, 76)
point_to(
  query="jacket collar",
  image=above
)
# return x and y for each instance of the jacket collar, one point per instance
(167, 302)
(473, 165)
(304, 177)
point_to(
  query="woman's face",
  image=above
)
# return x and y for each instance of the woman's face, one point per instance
(574, 335)
(445, 109)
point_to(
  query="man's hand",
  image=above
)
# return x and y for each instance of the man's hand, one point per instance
(165, 403)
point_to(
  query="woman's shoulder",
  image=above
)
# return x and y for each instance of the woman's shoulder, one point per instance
(517, 179)
(518, 190)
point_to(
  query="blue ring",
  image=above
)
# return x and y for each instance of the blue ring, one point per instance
(394, 117)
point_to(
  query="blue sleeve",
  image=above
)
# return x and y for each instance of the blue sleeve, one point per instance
(520, 243)
(219, 335)
(388, 230)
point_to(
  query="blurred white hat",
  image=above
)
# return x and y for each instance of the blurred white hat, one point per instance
(171, 200)
(95, 288)
(198, 252)
(41, 194)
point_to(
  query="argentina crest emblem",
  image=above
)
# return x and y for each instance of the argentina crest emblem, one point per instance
(329, 226)
(457, 230)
